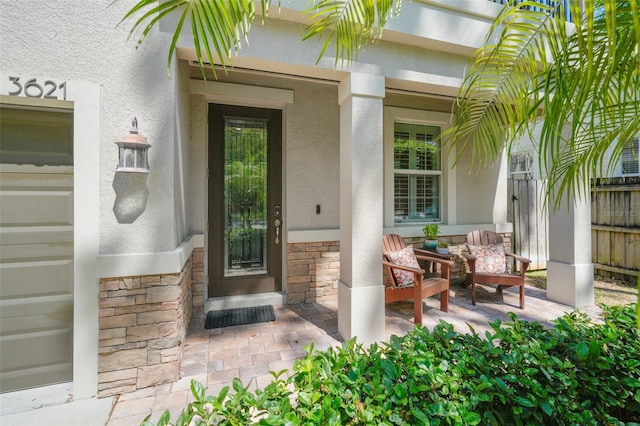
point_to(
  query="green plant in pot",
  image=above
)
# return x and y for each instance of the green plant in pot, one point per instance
(443, 247)
(430, 232)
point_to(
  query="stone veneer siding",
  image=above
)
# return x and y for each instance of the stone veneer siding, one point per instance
(197, 280)
(313, 270)
(143, 324)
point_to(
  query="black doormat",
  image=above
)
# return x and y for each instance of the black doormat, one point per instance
(239, 316)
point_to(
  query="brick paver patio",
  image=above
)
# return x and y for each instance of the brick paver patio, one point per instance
(214, 357)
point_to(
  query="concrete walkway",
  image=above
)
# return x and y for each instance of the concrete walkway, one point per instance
(214, 357)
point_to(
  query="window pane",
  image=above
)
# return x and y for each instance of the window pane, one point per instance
(401, 198)
(521, 165)
(245, 177)
(32, 136)
(415, 148)
(417, 198)
(417, 165)
(427, 196)
(629, 160)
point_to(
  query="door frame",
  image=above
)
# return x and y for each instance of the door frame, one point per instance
(218, 285)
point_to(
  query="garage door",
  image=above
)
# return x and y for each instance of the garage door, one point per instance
(36, 247)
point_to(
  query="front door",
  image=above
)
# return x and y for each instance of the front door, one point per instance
(245, 200)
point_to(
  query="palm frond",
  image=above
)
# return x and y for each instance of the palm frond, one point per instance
(217, 27)
(596, 100)
(349, 24)
(583, 82)
(496, 95)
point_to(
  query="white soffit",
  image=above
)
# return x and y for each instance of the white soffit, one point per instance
(232, 93)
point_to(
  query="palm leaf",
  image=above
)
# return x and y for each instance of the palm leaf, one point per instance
(217, 26)
(349, 24)
(584, 84)
(496, 94)
(598, 93)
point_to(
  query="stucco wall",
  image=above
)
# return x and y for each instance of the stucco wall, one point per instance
(43, 40)
(276, 46)
(481, 191)
(184, 226)
(313, 157)
(311, 152)
(452, 25)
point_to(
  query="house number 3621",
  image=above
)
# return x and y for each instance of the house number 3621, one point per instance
(32, 89)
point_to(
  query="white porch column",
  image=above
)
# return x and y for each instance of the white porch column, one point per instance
(361, 290)
(569, 269)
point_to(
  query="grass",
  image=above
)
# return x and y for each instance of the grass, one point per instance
(607, 291)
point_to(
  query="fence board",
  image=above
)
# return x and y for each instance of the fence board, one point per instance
(616, 227)
(615, 230)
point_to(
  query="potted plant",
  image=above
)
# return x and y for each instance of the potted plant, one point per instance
(443, 247)
(430, 232)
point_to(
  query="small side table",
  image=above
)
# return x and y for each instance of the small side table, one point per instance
(433, 253)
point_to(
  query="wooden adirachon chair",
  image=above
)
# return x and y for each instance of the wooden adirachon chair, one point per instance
(407, 278)
(487, 261)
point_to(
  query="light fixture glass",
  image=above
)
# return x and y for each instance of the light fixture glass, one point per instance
(133, 148)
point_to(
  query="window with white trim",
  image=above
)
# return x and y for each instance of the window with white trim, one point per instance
(629, 159)
(521, 165)
(417, 173)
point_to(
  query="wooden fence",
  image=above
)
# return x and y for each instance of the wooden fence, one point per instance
(615, 225)
(615, 229)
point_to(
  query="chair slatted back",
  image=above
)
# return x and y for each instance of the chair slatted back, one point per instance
(483, 238)
(392, 242)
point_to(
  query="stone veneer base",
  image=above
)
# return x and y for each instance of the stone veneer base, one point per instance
(143, 324)
(312, 271)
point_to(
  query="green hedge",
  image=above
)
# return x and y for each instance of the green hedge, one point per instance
(577, 373)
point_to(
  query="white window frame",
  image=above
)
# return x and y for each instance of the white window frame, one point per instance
(529, 172)
(447, 181)
(631, 151)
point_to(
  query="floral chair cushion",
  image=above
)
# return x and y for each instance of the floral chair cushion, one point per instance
(404, 257)
(489, 259)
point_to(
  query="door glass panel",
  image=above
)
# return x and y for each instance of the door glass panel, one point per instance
(245, 198)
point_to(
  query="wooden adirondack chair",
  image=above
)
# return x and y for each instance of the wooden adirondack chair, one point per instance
(420, 287)
(488, 240)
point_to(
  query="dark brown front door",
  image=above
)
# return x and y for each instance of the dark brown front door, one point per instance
(245, 207)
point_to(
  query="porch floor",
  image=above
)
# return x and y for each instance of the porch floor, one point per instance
(214, 357)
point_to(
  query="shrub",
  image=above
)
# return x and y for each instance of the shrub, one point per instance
(578, 372)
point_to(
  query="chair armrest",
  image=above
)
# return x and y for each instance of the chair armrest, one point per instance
(519, 258)
(404, 268)
(468, 255)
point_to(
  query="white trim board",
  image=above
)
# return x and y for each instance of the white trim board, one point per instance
(241, 94)
(141, 264)
(446, 230)
(313, 235)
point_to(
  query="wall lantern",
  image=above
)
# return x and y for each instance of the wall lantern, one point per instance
(133, 148)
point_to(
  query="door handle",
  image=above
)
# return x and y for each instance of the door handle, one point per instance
(277, 223)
